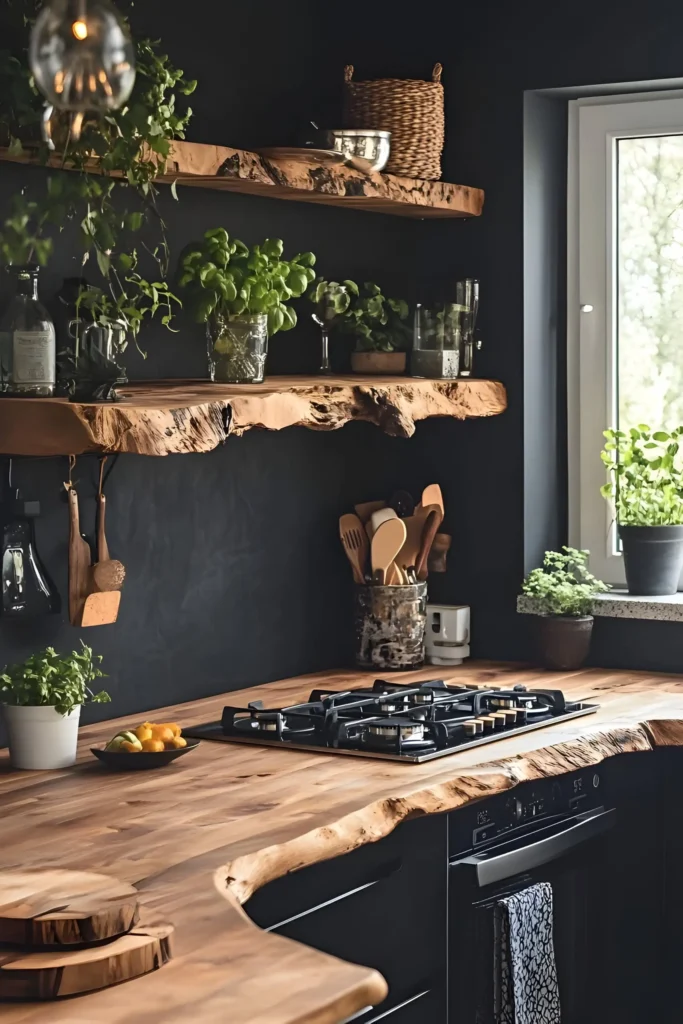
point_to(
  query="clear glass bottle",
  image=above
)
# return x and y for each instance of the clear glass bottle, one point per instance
(27, 346)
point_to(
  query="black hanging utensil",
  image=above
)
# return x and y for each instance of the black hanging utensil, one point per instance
(27, 590)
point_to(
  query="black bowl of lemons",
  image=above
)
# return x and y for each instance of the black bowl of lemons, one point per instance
(150, 745)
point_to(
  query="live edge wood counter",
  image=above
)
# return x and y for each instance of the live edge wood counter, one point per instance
(200, 836)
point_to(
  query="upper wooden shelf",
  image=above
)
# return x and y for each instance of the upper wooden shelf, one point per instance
(237, 170)
(173, 417)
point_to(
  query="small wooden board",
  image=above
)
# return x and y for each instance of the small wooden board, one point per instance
(50, 909)
(31, 976)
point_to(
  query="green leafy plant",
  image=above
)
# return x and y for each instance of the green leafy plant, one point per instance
(222, 277)
(129, 299)
(563, 585)
(377, 323)
(47, 678)
(332, 300)
(645, 471)
(131, 147)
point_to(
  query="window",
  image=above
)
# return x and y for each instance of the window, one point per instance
(625, 292)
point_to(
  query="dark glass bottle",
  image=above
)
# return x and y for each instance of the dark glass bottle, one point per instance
(26, 587)
(27, 340)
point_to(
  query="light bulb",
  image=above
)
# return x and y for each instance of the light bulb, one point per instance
(82, 57)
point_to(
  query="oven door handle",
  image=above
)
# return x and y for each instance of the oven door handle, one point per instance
(486, 870)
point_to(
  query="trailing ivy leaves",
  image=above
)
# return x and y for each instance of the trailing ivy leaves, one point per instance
(132, 146)
(645, 470)
(223, 277)
(563, 586)
(47, 678)
(129, 299)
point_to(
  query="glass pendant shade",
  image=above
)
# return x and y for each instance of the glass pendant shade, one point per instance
(82, 56)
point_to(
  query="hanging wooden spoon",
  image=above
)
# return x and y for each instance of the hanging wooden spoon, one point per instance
(79, 560)
(386, 543)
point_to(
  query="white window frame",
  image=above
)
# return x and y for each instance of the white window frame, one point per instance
(595, 125)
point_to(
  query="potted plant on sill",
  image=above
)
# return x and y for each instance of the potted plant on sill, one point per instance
(378, 324)
(241, 294)
(646, 489)
(41, 704)
(562, 591)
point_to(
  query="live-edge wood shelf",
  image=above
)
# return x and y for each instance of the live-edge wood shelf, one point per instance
(237, 170)
(175, 417)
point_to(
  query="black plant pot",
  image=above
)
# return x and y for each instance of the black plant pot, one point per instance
(562, 641)
(653, 558)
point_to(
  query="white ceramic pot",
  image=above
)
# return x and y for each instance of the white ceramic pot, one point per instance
(39, 737)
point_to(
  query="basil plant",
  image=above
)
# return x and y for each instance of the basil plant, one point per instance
(222, 277)
(645, 470)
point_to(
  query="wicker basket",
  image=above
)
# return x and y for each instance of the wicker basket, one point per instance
(411, 110)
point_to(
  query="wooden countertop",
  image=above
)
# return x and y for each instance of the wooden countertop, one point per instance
(200, 836)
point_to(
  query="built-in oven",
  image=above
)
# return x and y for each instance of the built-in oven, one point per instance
(550, 830)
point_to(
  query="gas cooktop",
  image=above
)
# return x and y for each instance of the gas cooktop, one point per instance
(394, 721)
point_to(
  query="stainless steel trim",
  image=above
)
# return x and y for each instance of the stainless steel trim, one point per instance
(487, 870)
(204, 732)
(386, 1013)
(319, 906)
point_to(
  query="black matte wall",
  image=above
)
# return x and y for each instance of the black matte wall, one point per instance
(235, 573)
(513, 473)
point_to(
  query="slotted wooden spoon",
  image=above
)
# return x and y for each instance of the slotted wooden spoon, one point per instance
(356, 544)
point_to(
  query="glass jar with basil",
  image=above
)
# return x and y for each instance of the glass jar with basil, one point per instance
(241, 293)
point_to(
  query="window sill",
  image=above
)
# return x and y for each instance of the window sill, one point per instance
(618, 604)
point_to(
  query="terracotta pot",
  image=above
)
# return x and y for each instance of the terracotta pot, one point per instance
(563, 642)
(378, 362)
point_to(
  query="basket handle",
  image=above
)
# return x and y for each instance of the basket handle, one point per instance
(437, 71)
(348, 72)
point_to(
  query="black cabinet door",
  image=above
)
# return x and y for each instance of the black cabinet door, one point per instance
(384, 906)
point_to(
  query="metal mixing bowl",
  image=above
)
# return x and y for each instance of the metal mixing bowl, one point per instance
(364, 148)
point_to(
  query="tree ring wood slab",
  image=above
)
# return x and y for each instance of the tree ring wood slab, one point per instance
(32, 976)
(49, 909)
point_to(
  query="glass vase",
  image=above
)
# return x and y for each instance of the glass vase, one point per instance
(237, 347)
(437, 341)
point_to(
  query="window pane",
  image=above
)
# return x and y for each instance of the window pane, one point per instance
(650, 281)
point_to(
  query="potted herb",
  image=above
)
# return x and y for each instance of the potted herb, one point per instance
(562, 592)
(242, 296)
(104, 321)
(41, 704)
(646, 488)
(378, 324)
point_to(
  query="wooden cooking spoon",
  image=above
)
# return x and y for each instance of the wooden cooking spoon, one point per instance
(386, 543)
(356, 544)
(429, 532)
(432, 496)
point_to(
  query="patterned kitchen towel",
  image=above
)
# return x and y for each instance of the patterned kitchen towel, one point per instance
(525, 973)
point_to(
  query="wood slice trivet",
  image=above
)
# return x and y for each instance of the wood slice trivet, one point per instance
(48, 909)
(31, 976)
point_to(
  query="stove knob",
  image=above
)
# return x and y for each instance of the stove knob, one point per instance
(519, 810)
(596, 781)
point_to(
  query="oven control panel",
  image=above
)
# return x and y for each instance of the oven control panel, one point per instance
(491, 818)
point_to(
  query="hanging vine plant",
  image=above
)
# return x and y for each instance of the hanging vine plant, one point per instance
(119, 154)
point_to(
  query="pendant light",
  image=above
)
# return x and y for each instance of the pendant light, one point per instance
(82, 58)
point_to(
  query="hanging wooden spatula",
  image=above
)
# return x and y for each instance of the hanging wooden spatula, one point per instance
(386, 543)
(356, 544)
(432, 496)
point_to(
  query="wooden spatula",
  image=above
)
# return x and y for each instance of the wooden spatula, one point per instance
(386, 543)
(356, 544)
